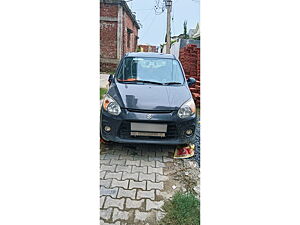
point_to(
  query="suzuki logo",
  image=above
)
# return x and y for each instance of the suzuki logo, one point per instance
(149, 116)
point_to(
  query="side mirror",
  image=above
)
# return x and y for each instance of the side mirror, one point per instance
(110, 78)
(191, 81)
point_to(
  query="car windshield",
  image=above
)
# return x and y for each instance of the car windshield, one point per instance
(150, 70)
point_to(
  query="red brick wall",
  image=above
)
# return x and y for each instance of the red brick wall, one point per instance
(127, 23)
(189, 57)
(108, 10)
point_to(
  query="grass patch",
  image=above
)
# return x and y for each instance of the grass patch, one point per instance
(102, 92)
(182, 209)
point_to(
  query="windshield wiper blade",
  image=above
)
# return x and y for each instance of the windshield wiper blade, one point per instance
(169, 83)
(148, 81)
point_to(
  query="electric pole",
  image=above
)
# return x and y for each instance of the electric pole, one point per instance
(169, 9)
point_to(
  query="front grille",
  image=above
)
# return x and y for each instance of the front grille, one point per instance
(149, 111)
(124, 131)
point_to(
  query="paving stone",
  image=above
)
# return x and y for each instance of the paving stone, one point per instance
(120, 215)
(148, 153)
(153, 185)
(111, 168)
(153, 204)
(156, 158)
(134, 152)
(120, 162)
(132, 176)
(133, 204)
(113, 175)
(155, 170)
(159, 164)
(102, 156)
(133, 162)
(167, 159)
(160, 178)
(108, 191)
(102, 222)
(147, 163)
(145, 194)
(127, 193)
(123, 168)
(119, 183)
(139, 157)
(106, 213)
(141, 216)
(111, 202)
(163, 194)
(111, 156)
(164, 153)
(102, 199)
(105, 162)
(105, 183)
(102, 174)
(127, 157)
(150, 176)
(160, 215)
(142, 169)
(138, 184)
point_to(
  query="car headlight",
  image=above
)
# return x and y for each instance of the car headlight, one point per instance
(187, 109)
(111, 106)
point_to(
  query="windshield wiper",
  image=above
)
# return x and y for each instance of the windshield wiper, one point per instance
(169, 83)
(149, 82)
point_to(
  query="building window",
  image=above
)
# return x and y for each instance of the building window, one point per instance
(128, 37)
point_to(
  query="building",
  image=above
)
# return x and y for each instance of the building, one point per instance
(147, 48)
(118, 33)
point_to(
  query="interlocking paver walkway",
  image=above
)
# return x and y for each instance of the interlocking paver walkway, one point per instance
(132, 183)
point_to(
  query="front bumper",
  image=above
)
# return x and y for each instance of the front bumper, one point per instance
(120, 127)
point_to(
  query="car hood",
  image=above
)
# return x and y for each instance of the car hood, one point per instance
(150, 97)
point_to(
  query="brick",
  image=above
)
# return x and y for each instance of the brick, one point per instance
(110, 156)
(105, 183)
(132, 176)
(159, 164)
(106, 213)
(120, 215)
(102, 199)
(155, 170)
(154, 185)
(160, 178)
(127, 157)
(108, 192)
(150, 176)
(123, 168)
(133, 204)
(156, 158)
(120, 162)
(105, 162)
(126, 193)
(102, 222)
(113, 175)
(102, 174)
(167, 159)
(133, 162)
(111, 202)
(142, 169)
(153, 204)
(139, 184)
(111, 168)
(119, 183)
(148, 163)
(145, 194)
(141, 216)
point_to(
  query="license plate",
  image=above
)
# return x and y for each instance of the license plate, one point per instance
(148, 134)
(149, 127)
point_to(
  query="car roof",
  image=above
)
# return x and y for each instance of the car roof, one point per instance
(150, 55)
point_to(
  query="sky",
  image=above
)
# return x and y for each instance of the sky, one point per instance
(153, 28)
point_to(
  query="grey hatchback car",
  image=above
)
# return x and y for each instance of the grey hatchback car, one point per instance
(148, 101)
